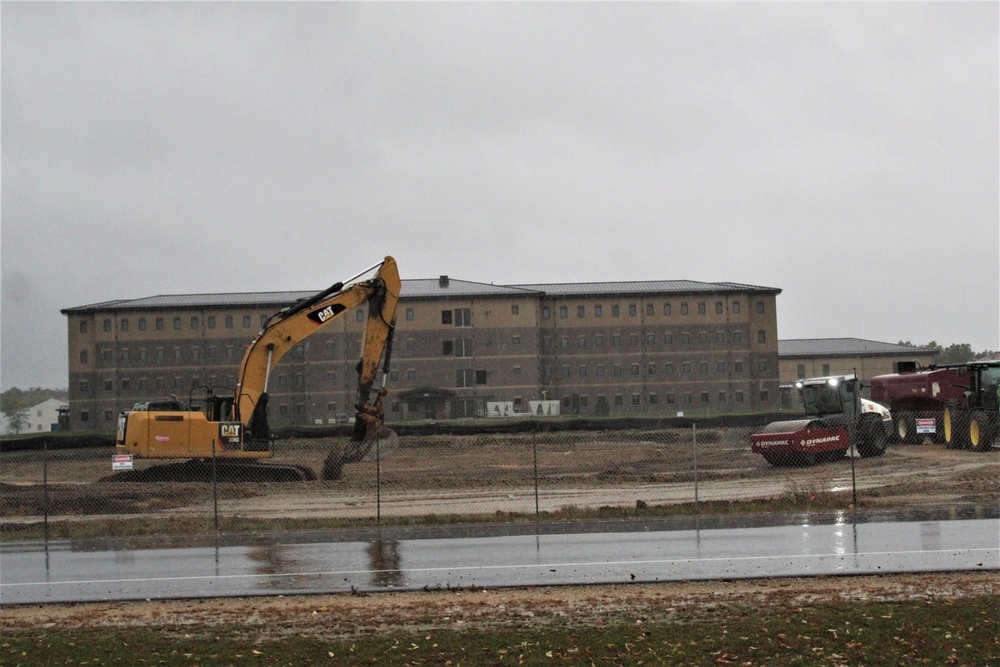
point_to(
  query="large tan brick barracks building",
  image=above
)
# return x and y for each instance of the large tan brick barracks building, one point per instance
(615, 348)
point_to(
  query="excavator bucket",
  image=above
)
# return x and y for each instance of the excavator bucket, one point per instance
(353, 451)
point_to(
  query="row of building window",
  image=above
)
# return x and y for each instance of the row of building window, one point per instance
(618, 370)
(211, 322)
(684, 338)
(633, 309)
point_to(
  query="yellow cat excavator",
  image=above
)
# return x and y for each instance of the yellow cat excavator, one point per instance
(234, 430)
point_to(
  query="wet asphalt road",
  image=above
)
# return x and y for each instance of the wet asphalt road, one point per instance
(499, 556)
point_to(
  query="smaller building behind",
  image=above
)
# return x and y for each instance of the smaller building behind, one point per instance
(45, 416)
(800, 358)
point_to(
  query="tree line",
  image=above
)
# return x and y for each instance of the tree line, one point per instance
(14, 404)
(956, 353)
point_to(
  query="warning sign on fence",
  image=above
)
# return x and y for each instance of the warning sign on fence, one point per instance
(925, 426)
(121, 462)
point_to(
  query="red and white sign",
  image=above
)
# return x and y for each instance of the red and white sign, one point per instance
(121, 462)
(926, 426)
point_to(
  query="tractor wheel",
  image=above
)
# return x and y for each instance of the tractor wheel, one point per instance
(905, 431)
(871, 438)
(955, 430)
(980, 432)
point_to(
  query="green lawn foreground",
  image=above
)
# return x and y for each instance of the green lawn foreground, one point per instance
(765, 628)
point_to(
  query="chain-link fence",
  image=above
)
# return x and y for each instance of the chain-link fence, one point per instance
(58, 490)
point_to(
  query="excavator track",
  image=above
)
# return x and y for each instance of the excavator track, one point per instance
(224, 472)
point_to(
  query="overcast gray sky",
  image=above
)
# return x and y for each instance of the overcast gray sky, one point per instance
(846, 153)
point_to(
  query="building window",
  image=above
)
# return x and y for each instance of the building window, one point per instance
(581, 342)
(598, 311)
(720, 367)
(616, 310)
(211, 322)
(760, 310)
(229, 321)
(722, 397)
(546, 342)
(85, 415)
(686, 368)
(633, 340)
(737, 366)
(565, 371)
(616, 370)
(718, 307)
(763, 396)
(177, 324)
(704, 397)
(161, 383)
(447, 347)
(651, 369)
(761, 336)
(581, 311)
(703, 367)
(600, 371)
(194, 321)
(83, 326)
(701, 307)
(619, 400)
(159, 324)
(465, 377)
(670, 398)
(463, 317)
(826, 369)
(106, 354)
(516, 370)
(634, 369)
(107, 325)
(282, 409)
(411, 375)
(126, 384)
(480, 377)
(515, 309)
(668, 339)
(763, 365)
(515, 340)
(684, 309)
(736, 307)
(616, 340)
(649, 309)
(599, 340)
(739, 397)
(83, 356)
(632, 310)
(800, 371)
(582, 371)
(123, 325)
(737, 337)
(720, 337)
(635, 399)
(109, 385)
(668, 369)
(246, 321)
(564, 342)
(652, 399)
(702, 337)
(651, 339)
(84, 386)
(463, 347)
(685, 338)
(546, 312)
(409, 314)
(563, 312)
(142, 324)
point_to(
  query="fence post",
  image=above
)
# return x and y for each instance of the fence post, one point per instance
(694, 442)
(215, 491)
(45, 489)
(534, 454)
(378, 479)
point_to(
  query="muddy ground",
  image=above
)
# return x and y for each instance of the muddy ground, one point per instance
(500, 473)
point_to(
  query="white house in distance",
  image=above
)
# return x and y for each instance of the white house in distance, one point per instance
(44, 416)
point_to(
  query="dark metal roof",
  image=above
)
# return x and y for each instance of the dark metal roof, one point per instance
(442, 287)
(828, 347)
(644, 287)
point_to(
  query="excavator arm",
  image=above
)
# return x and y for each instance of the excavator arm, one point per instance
(293, 324)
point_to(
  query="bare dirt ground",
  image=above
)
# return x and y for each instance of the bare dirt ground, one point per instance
(351, 616)
(472, 475)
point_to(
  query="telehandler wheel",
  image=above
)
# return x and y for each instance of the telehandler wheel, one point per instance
(955, 432)
(905, 430)
(981, 434)
(871, 439)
